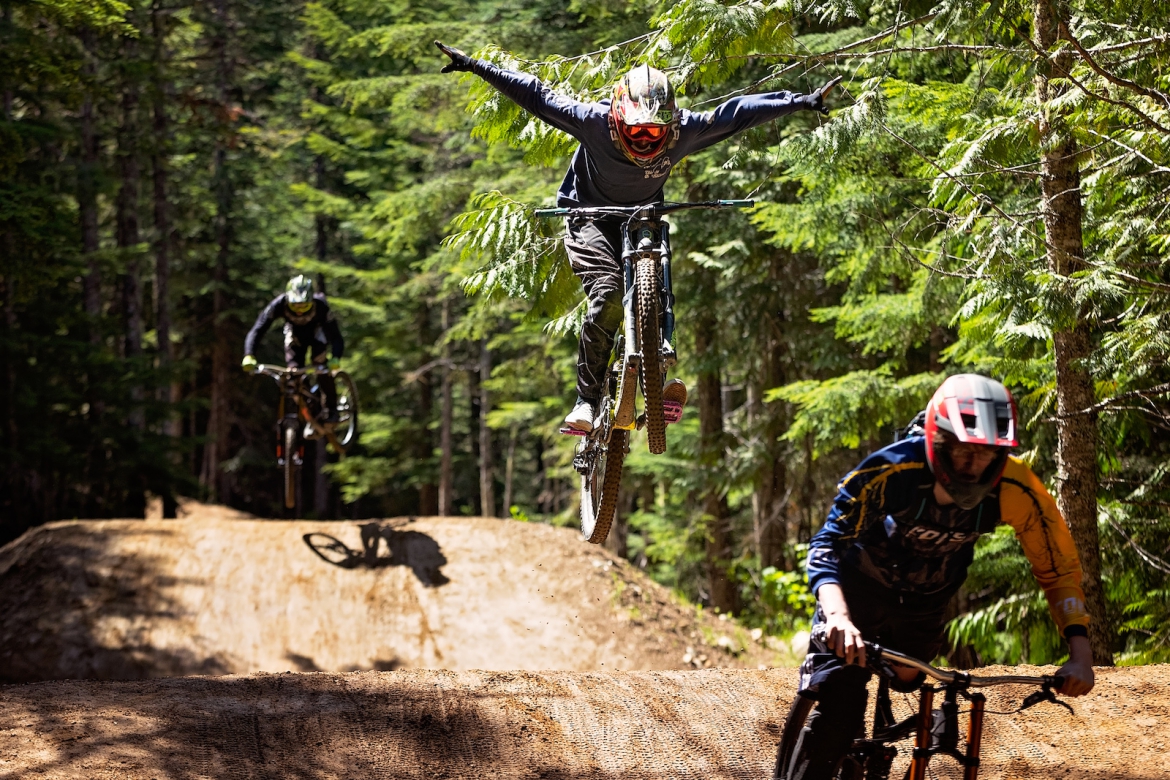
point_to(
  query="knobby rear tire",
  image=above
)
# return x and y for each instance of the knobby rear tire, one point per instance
(797, 715)
(598, 506)
(290, 467)
(650, 337)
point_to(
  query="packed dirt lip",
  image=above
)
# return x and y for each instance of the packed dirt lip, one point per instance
(133, 599)
(710, 724)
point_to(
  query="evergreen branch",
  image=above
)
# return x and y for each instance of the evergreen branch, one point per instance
(1067, 73)
(1130, 44)
(1152, 392)
(1148, 557)
(1118, 80)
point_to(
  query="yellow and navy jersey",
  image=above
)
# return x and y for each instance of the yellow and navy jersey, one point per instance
(885, 524)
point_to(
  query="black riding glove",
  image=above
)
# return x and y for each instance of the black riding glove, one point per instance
(459, 60)
(816, 101)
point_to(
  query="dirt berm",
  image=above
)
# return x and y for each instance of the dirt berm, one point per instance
(709, 724)
(209, 594)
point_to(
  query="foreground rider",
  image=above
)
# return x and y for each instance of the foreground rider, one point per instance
(308, 323)
(896, 547)
(629, 144)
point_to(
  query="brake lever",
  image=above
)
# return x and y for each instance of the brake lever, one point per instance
(1044, 694)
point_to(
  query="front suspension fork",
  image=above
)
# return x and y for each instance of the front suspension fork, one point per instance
(667, 287)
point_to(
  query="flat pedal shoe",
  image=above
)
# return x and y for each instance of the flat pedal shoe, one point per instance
(674, 398)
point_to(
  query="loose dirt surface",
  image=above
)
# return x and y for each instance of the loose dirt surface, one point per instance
(211, 594)
(708, 724)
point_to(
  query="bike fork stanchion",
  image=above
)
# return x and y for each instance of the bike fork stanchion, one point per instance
(632, 346)
(667, 287)
(974, 736)
(922, 738)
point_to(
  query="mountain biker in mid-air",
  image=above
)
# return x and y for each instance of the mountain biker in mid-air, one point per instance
(629, 144)
(896, 546)
(308, 322)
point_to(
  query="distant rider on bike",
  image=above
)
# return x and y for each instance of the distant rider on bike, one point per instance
(896, 547)
(308, 322)
(629, 144)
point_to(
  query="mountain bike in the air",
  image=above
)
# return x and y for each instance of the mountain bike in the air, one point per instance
(935, 731)
(300, 419)
(643, 351)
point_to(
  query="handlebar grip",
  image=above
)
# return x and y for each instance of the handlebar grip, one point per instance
(550, 212)
(1056, 681)
(737, 203)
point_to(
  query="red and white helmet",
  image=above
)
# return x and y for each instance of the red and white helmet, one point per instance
(971, 409)
(644, 117)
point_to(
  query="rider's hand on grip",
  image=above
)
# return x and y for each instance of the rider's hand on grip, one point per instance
(459, 60)
(249, 364)
(333, 364)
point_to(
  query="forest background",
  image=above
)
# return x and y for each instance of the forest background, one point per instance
(988, 195)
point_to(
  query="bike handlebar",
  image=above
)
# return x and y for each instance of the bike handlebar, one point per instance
(646, 211)
(967, 680)
(270, 369)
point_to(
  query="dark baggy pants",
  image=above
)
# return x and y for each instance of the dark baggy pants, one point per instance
(909, 624)
(294, 357)
(595, 254)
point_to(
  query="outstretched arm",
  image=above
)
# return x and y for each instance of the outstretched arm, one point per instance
(263, 323)
(743, 113)
(526, 91)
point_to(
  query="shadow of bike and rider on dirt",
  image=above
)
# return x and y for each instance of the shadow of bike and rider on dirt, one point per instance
(413, 549)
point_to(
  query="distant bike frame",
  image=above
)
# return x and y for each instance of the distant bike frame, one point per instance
(301, 405)
(935, 732)
(644, 350)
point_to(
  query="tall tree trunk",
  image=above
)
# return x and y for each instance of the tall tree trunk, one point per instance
(711, 444)
(1076, 454)
(769, 497)
(213, 478)
(126, 228)
(473, 434)
(487, 466)
(509, 471)
(87, 191)
(445, 421)
(428, 492)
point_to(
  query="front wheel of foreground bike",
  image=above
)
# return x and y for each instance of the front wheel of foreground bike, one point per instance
(289, 443)
(347, 410)
(650, 338)
(600, 485)
(790, 757)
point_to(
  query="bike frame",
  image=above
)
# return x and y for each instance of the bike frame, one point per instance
(291, 383)
(644, 234)
(939, 736)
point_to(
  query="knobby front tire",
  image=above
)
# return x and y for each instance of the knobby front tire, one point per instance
(599, 489)
(290, 466)
(347, 410)
(650, 338)
(797, 715)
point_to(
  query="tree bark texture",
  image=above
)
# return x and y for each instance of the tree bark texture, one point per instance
(446, 420)
(428, 493)
(213, 478)
(769, 499)
(87, 192)
(487, 466)
(1076, 455)
(714, 501)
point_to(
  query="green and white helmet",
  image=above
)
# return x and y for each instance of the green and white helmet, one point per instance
(298, 294)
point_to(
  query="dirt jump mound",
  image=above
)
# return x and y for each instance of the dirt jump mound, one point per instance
(133, 599)
(711, 724)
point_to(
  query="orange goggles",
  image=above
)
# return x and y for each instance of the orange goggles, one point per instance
(645, 132)
(300, 308)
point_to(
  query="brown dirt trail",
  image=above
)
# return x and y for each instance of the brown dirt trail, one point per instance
(91, 611)
(133, 599)
(709, 724)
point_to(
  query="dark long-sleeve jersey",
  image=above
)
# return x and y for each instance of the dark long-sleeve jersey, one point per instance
(318, 325)
(886, 525)
(600, 174)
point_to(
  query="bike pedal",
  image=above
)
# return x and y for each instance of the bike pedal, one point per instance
(671, 411)
(573, 432)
